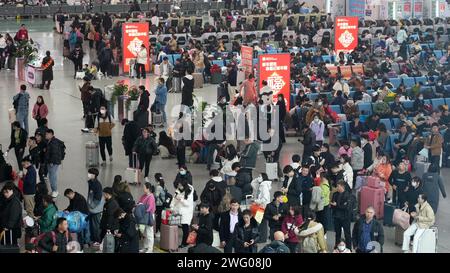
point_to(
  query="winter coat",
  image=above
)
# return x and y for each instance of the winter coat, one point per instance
(317, 199)
(125, 201)
(78, 203)
(425, 215)
(432, 184)
(224, 227)
(288, 226)
(376, 232)
(272, 210)
(131, 132)
(29, 181)
(261, 192)
(105, 126)
(161, 94)
(243, 181)
(145, 146)
(244, 234)
(144, 101)
(184, 206)
(40, 111)
(249, 155)
(309, 140)
(357, 159)
(54, 151)
(109, 221)
(436, 144)
(47, 73)
(48, 220)
(142, 56)
(95, 198)
(53, 238)
(318, 128)
(294, 189)
(205, 229)
(129, 241)
(23, 136)
(11, 213)
(316, 230)
(213, 198)
(277, 246)
(187, 91)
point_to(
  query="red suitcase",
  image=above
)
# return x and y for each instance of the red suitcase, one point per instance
(372, 197)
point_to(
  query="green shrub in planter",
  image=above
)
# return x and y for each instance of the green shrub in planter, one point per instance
(216, 78)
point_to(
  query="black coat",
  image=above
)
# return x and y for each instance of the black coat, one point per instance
(342, 209)
(205, 229)
(144, 101)
(306, 183)
(23, 135)
(411, 197)
(187, 91)
(272, 210)
(367, 155)
(432, 186)
(376, 232)
(294, 190)
(243, 181)
(47, 74)
(129, 241)
(78, 203)
(108, 220)
(126, 201)
(213, 198)
(53, 154)
(11, 213)
(309, 140)
(224, 227)
(236, 192)
(246, 234)
(131, 132)
(55, 238)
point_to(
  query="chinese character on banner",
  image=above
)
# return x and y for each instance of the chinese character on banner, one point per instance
(134, 35)
(247, 59)
(346, 34)
(276, 70)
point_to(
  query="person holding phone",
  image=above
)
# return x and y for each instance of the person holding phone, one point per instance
(293, 220)
(246, 234)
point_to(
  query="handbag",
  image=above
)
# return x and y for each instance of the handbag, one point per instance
(401, 218)
(192, 238)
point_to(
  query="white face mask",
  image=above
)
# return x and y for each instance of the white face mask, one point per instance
(341, 247)
(259, 179)
(319, 103)
(91, 176)
(316, 119)
(414, 184)
(103, 111)
(183, 172)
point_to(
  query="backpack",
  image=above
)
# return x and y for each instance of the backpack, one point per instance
(309, 244)
(62, 149)
(225, 203)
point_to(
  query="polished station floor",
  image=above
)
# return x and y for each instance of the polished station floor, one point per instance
(65, 112)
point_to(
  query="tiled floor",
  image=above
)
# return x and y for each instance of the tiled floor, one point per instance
(65, 118)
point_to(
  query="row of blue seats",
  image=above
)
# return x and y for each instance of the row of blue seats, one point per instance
(438, 53)
(425, 45)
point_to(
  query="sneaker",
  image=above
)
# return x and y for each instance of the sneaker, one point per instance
(147, 179)
(55, 194)
(85, 130)
(144, 250)
(110, 159)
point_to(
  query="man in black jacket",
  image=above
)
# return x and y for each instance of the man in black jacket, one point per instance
(367, 149)
(56, 241)
(141, 114)
(367, 229)
(77, 202)
(55, 153)
(204, 227)
(309, 140)
(109, 221)
(275, 213)
(292, 187)
(105, 58)
(18, 142)
(11, 216)
(340, 204)
(228, 222)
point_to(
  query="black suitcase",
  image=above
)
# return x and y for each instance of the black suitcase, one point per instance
(115, 69)
(389, 213)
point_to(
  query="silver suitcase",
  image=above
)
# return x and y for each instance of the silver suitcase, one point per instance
(157, 118)
(428, 241)
(92, 154)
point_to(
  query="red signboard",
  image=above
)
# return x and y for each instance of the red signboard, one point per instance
(247, 59)
(346, 34)
(407, 7)
(276, 70)
(418, 7)
(134, 35)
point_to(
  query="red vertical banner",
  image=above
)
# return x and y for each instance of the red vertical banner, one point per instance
(276, 70)
(346, 34)
(407, 7)
(247, 59)
(133, 36)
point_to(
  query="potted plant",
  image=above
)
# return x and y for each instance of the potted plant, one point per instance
(26, 52)
(216, 74)
(132, 100)
(118, 95)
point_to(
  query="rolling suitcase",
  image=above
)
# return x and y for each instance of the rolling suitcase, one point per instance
(108, 243)
(198, 80)
(399, 235)
(92, 154)
(169, 238)
(389, 214)
(428, 241)
(133, 175)
(176, 84)
(157, 118)
(372, 197)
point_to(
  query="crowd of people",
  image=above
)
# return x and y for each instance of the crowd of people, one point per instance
(321, 190)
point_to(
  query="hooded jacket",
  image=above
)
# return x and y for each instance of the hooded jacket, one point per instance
(261, 191)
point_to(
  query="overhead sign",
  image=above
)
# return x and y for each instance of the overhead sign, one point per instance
(247, 59)
(276, 70)
(356, 8)
(134, 35)
(346, 34)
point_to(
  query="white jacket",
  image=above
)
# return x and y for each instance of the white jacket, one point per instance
(226, 169)
(348, 174)
(185, 207)
(316, 203)
(261, 192)
(142, 56)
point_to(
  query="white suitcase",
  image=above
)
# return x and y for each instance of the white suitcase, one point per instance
(428, 241)
(133, 175)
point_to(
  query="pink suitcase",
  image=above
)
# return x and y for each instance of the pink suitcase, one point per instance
(373, 182)
(372, 197)
(169, 238)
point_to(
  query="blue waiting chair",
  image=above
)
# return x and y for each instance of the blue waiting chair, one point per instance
(336, 108)
(387, 122)
(409, 81)
(437, 102)
(365, 108)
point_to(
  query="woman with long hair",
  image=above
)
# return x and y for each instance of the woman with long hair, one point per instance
(40, 110)
(183, 204)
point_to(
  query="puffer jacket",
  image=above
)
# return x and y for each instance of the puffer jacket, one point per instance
(425, 215)
(316, 230)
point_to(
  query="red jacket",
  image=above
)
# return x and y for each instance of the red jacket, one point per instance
(287, 228)
(42, 111)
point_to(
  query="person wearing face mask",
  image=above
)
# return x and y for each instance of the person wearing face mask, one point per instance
(318, 127)
(414, 190)
(419, 104)
(104, 131)
(95, 203)
(342, 248)
(183, 203)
